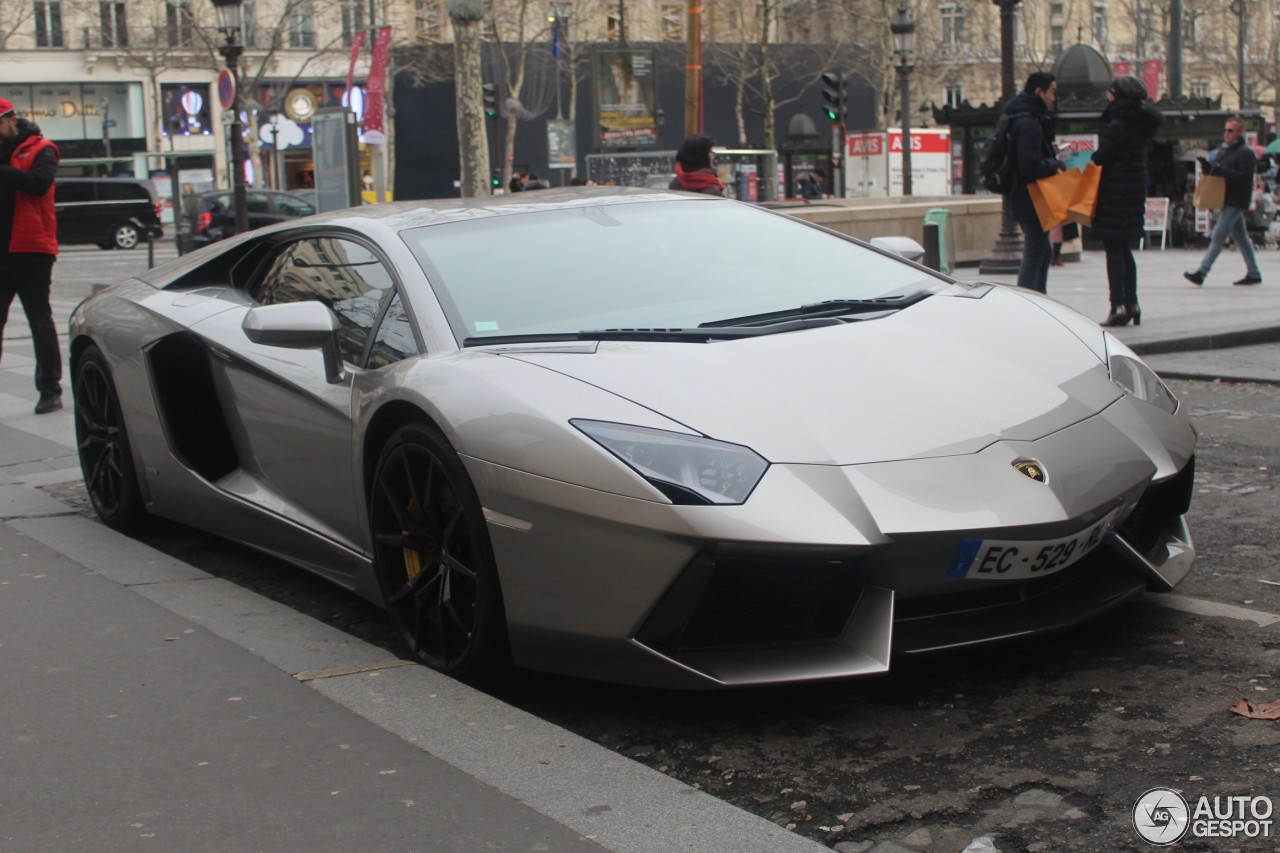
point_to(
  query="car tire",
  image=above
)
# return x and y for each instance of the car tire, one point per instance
(106, 459)
(125, 235)
(433, 558)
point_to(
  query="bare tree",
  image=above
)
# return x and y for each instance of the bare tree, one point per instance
(518, 26)
(14, 17)
(467, 17)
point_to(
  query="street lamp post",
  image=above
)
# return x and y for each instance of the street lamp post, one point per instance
(1006, 255)
(228, 12)
(903, 30)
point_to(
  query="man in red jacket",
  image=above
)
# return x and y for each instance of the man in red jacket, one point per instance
(29, 243)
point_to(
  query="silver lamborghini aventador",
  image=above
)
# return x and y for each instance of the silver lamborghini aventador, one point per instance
(639, 436)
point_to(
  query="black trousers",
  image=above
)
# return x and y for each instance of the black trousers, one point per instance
(1122, 272)
(30, 279)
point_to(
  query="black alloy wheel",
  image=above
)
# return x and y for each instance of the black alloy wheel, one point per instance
(103, 445)
(433, 558)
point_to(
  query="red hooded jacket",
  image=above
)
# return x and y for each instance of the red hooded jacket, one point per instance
(35, 222)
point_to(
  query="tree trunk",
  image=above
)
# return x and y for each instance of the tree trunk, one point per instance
(473, 141)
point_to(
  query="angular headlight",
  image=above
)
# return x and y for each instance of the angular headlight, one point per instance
(688, 469)
(1136, 379)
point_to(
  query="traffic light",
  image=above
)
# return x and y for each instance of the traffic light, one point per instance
(833, 95)
(490, 99)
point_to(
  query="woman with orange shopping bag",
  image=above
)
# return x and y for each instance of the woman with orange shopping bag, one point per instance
(1128, 124)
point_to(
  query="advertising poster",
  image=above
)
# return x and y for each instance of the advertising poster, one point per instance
(624, 89)
(1077, 148)
(930, 162)
(561, 151)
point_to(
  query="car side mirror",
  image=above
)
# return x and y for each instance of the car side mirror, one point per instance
(902, 246)
(297, 325)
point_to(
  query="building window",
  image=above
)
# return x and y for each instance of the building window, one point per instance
(1099, 23)
(249, 23)
(954, 96)
(1055, 10)
(352, 20)
(426, 21)
(1147, 29)
(1191, 29)
(180, 25)
(302, 25)
(613, 24)
(1056, 36)
(115, 28)
(48, 24)
(672, 22)
(1019, 32)
(952, 24)
(1199, 88)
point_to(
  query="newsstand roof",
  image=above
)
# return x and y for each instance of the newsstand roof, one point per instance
(1082, 72)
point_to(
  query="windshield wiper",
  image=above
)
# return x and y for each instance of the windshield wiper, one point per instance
(827, 308)
(701, 335)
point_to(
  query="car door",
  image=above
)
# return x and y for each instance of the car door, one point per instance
(74, 203)
(292, 429)
(261, 211)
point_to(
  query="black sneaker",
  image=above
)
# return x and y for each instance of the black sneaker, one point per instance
(1249, 279)
(1195, 277)
(49, 402)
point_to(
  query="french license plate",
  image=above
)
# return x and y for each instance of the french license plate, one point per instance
(1017, 559)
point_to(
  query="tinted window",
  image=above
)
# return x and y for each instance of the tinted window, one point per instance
(394, 340)
(259, 203)
(108, 191)
(343, 275)
(73, 191)
(291, 206)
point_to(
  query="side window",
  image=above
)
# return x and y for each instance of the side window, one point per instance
(291, 206)
(342, 274)
(110, 191)
(394, 340)
(72, 192)
(259, 203)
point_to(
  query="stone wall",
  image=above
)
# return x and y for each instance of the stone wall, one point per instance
(974, 221)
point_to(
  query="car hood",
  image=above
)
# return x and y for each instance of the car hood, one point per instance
(947, 376)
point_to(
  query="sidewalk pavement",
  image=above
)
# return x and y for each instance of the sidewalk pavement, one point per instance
(147, 702)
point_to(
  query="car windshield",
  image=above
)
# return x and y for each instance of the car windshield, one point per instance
(650, 266)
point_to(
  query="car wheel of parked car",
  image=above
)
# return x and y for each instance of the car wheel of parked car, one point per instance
(125, 236)
(433, 558)
(105, 459)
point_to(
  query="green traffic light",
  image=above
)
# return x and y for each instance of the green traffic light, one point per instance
(831, 114)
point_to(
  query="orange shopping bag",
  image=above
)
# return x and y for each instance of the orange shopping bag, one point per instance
(1084, 201)
(1052, 197)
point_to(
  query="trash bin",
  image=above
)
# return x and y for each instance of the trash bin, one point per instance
(946, 240)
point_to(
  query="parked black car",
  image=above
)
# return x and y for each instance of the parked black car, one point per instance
(210, 217)
(114, 213)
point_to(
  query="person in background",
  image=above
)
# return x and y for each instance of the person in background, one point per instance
(694, 170)
(811, 184)
(516, 184)
(1034, 157)
(29, 243)
(533, 182)
(1236, 163)
(1129, 123)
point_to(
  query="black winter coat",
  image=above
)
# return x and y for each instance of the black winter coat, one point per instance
(1127, 128)
(1237, 163)
(1031, 147)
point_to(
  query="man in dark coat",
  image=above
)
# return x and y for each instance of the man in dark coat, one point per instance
(1129, 123)
(1031, 149)
(29, 243)
(1236, 163)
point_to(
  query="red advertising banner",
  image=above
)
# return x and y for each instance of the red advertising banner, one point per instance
(922, 142)
(375, 130)
(1151, 76)
(1121, 68)
(356, 46)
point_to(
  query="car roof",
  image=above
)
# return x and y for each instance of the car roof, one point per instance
(401, 215)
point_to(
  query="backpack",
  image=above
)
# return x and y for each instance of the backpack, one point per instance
(996, 169)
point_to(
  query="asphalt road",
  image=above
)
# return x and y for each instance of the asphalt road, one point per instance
(1044, 745)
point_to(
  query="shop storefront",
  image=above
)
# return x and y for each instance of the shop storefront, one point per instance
(100, 128)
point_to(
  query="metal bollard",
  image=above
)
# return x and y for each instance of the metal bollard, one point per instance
(932, 246)
(151, 251)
